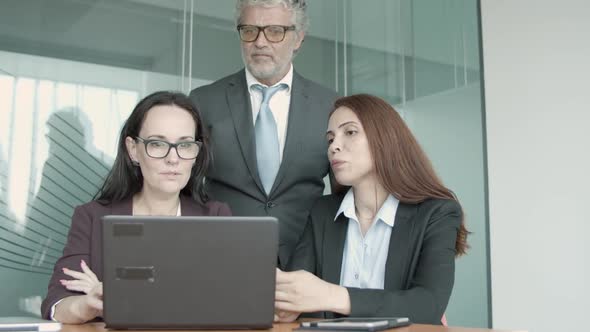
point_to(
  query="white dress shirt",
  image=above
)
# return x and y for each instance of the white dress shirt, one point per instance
(364, 257)
(279, 104)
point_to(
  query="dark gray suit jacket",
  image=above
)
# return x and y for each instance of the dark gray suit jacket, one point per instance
(233, 175)
(420, 267)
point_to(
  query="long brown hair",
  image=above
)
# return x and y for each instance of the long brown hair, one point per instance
(401, 165)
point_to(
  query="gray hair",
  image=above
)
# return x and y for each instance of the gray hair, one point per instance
(298, 7)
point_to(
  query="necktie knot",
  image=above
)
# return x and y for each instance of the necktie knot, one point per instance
(268, 92)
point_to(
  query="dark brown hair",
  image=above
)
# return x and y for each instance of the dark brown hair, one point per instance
(401, 165)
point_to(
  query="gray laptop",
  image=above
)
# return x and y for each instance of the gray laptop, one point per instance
(189, 272)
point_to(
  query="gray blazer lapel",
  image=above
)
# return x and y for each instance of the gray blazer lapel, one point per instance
(399, 244)
(238, 101)
(334, 238)
(298, 114)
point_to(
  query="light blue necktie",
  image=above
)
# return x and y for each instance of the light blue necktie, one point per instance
(267, 140)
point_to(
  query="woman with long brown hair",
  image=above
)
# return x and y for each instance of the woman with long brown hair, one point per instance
(387, 246)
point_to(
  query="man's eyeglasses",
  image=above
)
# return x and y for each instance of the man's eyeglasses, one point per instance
(273, 33)
(160, 149)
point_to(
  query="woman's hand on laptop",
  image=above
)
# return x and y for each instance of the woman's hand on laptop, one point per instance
(301, 291)
(85, 282)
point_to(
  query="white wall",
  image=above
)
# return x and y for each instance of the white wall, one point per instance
(537, 89)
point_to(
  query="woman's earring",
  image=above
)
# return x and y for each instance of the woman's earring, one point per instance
(135, 162)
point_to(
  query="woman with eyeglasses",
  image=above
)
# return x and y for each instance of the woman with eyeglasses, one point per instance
(161, 161)
(386, 247)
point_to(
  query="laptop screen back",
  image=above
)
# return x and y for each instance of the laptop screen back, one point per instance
(189, 272)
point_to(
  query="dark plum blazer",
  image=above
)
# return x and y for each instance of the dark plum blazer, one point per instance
(84, 240)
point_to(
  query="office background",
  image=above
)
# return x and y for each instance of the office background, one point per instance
(72, 70)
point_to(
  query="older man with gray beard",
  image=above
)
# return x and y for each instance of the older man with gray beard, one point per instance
(267, 123)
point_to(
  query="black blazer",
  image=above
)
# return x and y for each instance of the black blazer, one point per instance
(420, 267)
(233, 175)
(85, 240)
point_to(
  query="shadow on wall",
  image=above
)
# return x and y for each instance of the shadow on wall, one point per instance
(71, 176)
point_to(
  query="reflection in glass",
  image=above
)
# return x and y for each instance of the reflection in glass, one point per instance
(49, 164)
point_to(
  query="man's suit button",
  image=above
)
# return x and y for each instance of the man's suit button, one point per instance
(270, 205)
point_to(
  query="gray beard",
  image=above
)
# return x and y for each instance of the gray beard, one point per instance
(264, 74)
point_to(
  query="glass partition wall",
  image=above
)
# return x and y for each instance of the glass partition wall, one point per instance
(72, 70)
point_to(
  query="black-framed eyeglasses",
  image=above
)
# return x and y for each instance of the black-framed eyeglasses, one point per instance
(159, 149)
(273, 33)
